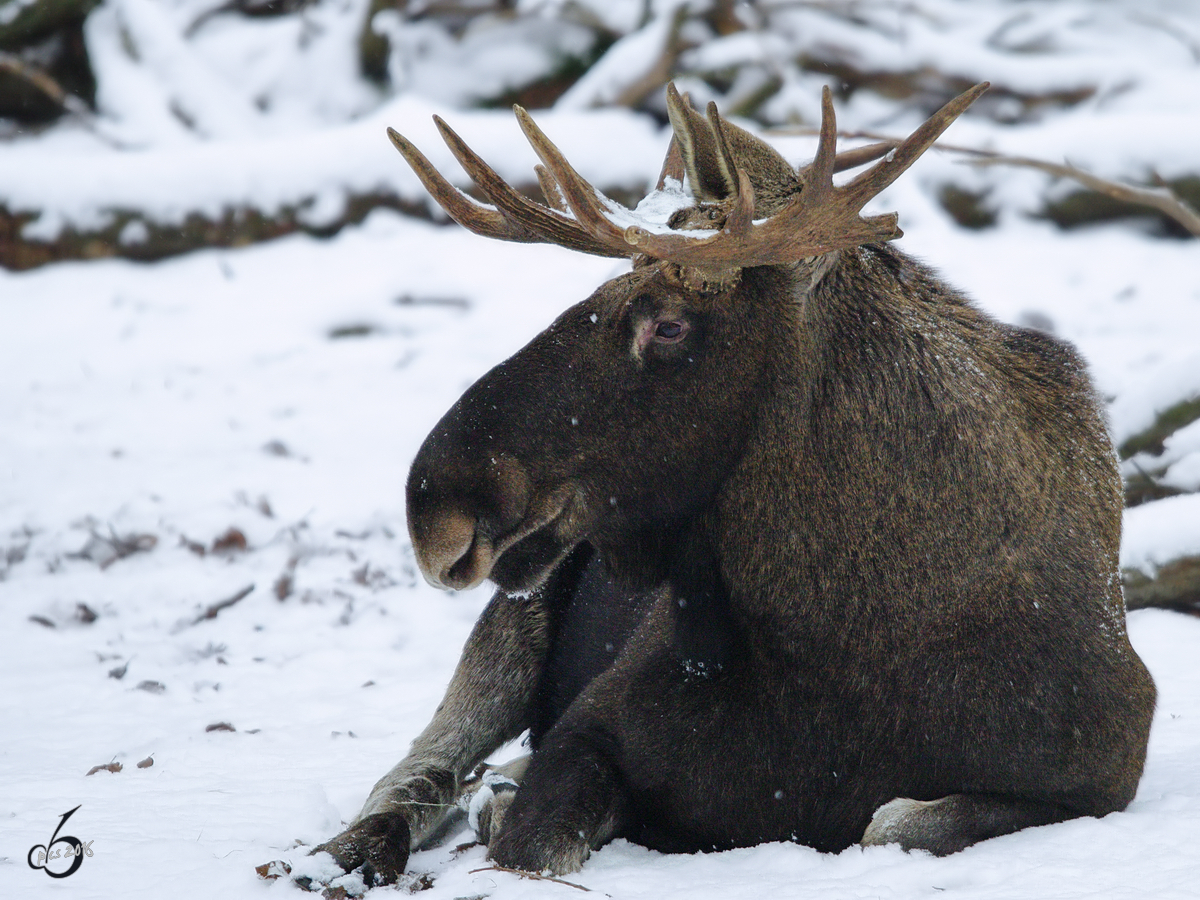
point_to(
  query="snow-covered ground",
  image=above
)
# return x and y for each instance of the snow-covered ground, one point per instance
(280, 391)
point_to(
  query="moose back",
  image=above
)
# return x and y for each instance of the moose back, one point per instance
(791, 541)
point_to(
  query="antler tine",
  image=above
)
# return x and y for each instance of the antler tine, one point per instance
(539, 220)
(464, 210)
(882, 174)
(550, 190)
(818, 175)
(860, 156)
(583, 199)
(741, 218)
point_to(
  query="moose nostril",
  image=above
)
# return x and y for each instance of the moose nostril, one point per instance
(446, 549)
(453, 528)
(459, 572)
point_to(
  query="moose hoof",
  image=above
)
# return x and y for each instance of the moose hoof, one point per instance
(511, 850)
(940, 827)
(956, 821)
(900, 821)
(379, 843)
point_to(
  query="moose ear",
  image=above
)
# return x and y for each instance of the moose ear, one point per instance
(709, 170)
(713, 150)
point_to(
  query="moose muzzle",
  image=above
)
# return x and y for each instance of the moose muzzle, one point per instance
(469, 526)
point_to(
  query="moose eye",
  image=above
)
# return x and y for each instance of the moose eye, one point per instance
(670, 332)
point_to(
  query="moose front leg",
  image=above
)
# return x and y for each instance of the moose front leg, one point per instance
(487, 703)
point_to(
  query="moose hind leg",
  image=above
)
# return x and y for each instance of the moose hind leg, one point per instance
(949, 824)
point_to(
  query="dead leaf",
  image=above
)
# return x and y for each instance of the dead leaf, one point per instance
(422, 882)
(232, 541)
(276, 868)
(286, 582)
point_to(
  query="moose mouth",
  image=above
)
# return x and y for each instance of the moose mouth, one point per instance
(526, 564)
(455, 552)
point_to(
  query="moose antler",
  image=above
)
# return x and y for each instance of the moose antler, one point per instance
(820, 218)
(514, 218)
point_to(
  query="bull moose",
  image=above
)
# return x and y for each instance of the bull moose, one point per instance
(792, 542)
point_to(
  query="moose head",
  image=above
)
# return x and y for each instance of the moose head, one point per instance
(620, 423)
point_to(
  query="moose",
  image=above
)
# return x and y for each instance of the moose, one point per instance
(792, 541)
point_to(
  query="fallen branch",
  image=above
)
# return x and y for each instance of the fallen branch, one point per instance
(1161, 198)
(633, 95)
(134, 235)
(1174, 586)
(48, 85)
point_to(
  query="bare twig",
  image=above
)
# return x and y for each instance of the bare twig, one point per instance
(104, 551)
(129, 545)
(1162, 199)
(534, 876)
(211, 612)
(14, 65)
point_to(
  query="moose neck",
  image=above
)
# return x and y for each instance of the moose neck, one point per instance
(824, 455)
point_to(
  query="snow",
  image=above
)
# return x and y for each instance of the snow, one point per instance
(1156, 533)
(626, 62)
(492, 57)
(282, 389)
(1164, 383)
(84, 187)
